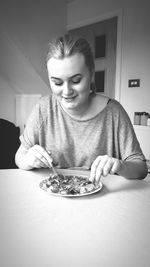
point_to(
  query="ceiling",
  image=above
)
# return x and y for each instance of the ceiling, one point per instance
(69, 1)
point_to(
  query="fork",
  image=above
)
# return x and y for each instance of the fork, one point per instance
(53, 170)
(51, 166)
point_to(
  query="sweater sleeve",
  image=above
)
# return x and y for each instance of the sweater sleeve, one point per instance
(30, 136)
(129, 146)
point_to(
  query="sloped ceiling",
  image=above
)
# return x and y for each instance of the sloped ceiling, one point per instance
(26, 27)
(16, 69)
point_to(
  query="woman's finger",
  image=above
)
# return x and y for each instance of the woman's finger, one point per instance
(38, 164)
(44, 155)
(99, 170)
(35, 159)
(39, 157)
(93, 169)
(116, 166)
(108, 166)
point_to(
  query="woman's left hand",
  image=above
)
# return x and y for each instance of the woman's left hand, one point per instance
(102, 166)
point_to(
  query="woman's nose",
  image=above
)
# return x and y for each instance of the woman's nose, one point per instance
(67, 90)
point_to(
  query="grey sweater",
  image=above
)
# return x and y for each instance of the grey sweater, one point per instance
(75, 143)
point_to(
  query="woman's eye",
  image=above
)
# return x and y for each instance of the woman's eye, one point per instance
(76, 81)
(57, 82)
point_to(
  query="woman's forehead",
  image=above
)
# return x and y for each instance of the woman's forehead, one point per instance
(71, 64)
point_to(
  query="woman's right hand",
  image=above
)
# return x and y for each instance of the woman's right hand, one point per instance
(34, 157)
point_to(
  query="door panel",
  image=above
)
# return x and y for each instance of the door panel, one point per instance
(102, 37)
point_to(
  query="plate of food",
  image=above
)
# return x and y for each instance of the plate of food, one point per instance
(69, 185)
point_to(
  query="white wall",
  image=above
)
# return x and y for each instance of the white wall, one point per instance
(135, 52)
(26, 27)
(7, 101)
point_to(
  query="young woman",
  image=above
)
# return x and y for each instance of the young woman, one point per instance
(75, 126)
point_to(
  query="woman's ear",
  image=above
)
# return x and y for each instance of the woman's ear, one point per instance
(93, 88)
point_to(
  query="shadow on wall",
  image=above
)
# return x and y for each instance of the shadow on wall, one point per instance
(9, 143)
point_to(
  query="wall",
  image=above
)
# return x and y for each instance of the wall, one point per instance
(135, 52)
(7, 101)
(25, 30)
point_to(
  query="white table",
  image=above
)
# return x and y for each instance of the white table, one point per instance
(107, 229)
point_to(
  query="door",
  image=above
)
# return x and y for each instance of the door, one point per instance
(102, 37)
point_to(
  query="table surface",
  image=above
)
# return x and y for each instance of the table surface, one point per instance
(109, 228)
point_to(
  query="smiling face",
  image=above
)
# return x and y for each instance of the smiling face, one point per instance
(70, 81)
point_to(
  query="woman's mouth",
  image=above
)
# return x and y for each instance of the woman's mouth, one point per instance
(69, 98)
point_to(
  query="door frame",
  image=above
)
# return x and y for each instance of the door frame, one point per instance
(119, 15)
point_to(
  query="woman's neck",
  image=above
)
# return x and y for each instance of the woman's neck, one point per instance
(80, 113)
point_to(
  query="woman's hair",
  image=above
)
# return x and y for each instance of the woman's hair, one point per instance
(69, 45)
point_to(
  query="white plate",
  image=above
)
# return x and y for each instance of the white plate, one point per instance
(98, 188)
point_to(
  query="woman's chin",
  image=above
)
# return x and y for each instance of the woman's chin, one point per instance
(69, 103)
